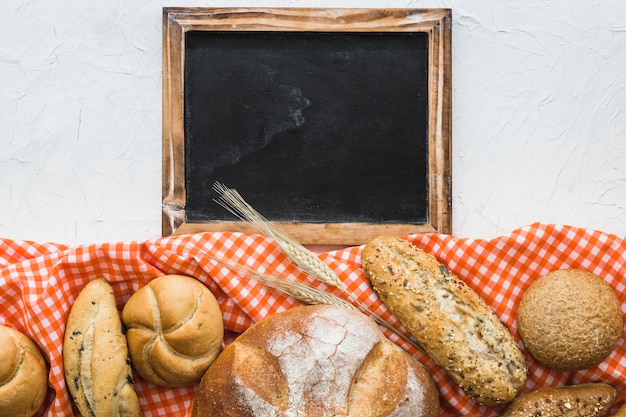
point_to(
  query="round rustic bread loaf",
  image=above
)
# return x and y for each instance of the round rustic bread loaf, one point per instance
(318, 361)
(174, 330)
(23, 375)
(570, 319)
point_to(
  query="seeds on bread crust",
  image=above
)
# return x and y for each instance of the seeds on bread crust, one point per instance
(450, 321)
(95, 355)
(570, 319)
(583, 400)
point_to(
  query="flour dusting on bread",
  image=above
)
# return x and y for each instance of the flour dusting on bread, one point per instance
(323, 361)
(320, 361)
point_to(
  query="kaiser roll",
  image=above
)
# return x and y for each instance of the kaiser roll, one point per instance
(317, 361)
(570, 319)
(23, 375)
(174, 330)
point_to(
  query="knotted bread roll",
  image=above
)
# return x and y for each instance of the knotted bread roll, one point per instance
(318, 361)
(174, 330)
(23, 375)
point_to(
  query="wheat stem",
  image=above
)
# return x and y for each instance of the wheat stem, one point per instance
(310, 295)
(232, 201)
(298, 290)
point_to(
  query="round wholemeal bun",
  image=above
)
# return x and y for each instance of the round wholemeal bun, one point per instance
(318, 361)
(570, 319)
(174, 329)
(23, 375)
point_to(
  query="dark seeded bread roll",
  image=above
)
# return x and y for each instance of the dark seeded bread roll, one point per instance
(584, 400)
(453, 325)
(95, 355)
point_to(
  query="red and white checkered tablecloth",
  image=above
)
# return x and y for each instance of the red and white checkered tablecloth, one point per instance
(39, 281)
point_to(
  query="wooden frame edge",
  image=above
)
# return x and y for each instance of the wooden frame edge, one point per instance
(435, 22)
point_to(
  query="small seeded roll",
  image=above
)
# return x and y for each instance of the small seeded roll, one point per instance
(570, 319)
(584, 400)
(174, 330)
(23, 375)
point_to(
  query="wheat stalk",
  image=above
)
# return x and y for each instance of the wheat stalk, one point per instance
(310, 295)
(298, 290)
(232, 201)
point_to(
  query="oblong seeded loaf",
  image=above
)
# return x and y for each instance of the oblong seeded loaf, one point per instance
(449, 320)
(583, 400)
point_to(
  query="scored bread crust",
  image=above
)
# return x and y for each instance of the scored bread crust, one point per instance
(174, 329)
(95, 355)
(316, 361)
(453, 325)
(583, 400)
(23, 375)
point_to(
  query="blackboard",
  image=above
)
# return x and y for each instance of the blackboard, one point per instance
(319, 130)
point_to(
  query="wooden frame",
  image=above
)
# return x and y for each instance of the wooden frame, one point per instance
(436, 23)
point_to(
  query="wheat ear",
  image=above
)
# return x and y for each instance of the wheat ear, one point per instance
(232, 201)
(310, 295)
(297, 290)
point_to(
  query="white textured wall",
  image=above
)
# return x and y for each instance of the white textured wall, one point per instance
(539, 115)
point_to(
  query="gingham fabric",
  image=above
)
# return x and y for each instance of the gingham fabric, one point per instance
(38, 283)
